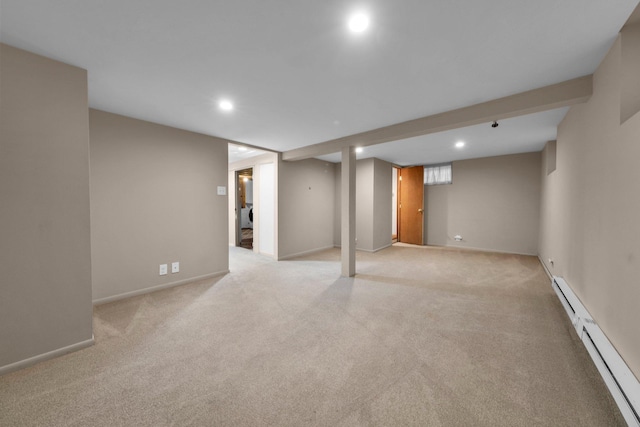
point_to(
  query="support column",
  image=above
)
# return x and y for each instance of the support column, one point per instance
(348, 214)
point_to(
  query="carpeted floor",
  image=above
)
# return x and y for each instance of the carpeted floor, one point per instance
(421, 336)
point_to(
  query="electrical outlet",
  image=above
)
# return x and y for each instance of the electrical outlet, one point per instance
(175, 267)
(163, 269)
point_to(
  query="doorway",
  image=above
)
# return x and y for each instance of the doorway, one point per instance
(411, 205)
(244, 208)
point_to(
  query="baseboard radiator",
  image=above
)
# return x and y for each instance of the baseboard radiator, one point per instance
(622, 384)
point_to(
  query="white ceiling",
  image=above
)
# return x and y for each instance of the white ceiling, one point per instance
(297, 76)
(523, 134)
(239, 152)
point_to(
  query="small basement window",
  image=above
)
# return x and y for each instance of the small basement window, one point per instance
(437, 174)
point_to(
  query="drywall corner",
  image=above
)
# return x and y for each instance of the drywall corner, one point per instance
(45, 243)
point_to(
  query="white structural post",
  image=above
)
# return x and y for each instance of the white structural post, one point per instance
(348, 223)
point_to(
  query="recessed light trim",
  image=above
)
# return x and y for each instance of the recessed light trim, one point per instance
(359, 150)
(460, 144)
(358, 22)
(225, 105)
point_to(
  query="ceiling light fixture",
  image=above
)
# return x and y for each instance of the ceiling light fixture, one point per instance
(359, 149)
(225, 105)
(242, 148)
(459, 144)
(358, 22)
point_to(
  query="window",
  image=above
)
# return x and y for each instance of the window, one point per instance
(437, 174)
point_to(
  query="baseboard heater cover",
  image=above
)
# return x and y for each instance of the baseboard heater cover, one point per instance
(622, 384)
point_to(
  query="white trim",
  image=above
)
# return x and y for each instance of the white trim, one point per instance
(373, 251)
(312, 251)
(46, 356)
(572, 305)
(150, 289)
(366, 250)
(546, 270)
(383, 247)
(623, 385)
(471, 248)
(498, 251)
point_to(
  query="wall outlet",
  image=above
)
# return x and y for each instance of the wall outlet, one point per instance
(175, 267)
(163, 269)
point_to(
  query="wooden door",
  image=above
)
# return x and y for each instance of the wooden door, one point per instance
(411, 204)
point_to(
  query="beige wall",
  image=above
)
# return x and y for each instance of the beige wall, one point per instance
(382, 207)
(306, 191)
(493, 203)
(590, 209)
(45, 252)
(154, 201)
(365, 187)
(630, 63)
(373, 205)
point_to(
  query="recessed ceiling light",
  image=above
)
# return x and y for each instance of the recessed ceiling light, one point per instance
(459, 144)
(358, 22)
(359, 149)
(225, 105)
(242, 148)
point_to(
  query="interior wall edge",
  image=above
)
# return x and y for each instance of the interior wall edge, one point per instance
(309, 252)
(151, 289)
(544, 266)
(21, 364)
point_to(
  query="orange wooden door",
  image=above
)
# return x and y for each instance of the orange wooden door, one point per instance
(411, 205)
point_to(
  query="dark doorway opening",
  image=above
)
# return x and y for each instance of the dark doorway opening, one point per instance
(244, 208)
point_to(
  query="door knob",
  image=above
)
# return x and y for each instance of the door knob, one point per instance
(420, 210)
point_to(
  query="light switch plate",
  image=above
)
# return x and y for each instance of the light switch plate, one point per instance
(222, 190)
(175, 267)
(163, 269)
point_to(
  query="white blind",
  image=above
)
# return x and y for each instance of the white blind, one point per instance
(438, 174)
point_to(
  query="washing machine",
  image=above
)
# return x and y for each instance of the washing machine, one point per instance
(246, 217)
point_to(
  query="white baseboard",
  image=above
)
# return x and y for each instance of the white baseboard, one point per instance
(373, 251)
(46, 356)
(150, 289)
(620, 380)
(312, 251)
(383, 247)
(368, 250)
(546, 270)
(490, 250)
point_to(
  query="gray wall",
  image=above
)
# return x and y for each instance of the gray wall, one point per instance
(590, 208)
(493, 203)
(306, 201)
(373, 205)
(382, 208)
(45, 251)
(154, 201)
(365, 187)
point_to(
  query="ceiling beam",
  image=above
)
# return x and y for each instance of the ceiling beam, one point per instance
(559, 95)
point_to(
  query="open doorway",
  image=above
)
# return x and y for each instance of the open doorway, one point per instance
(394, 204)
(244, 206)
(410, 201)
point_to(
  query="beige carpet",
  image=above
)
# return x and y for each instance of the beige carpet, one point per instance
(422, 336)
